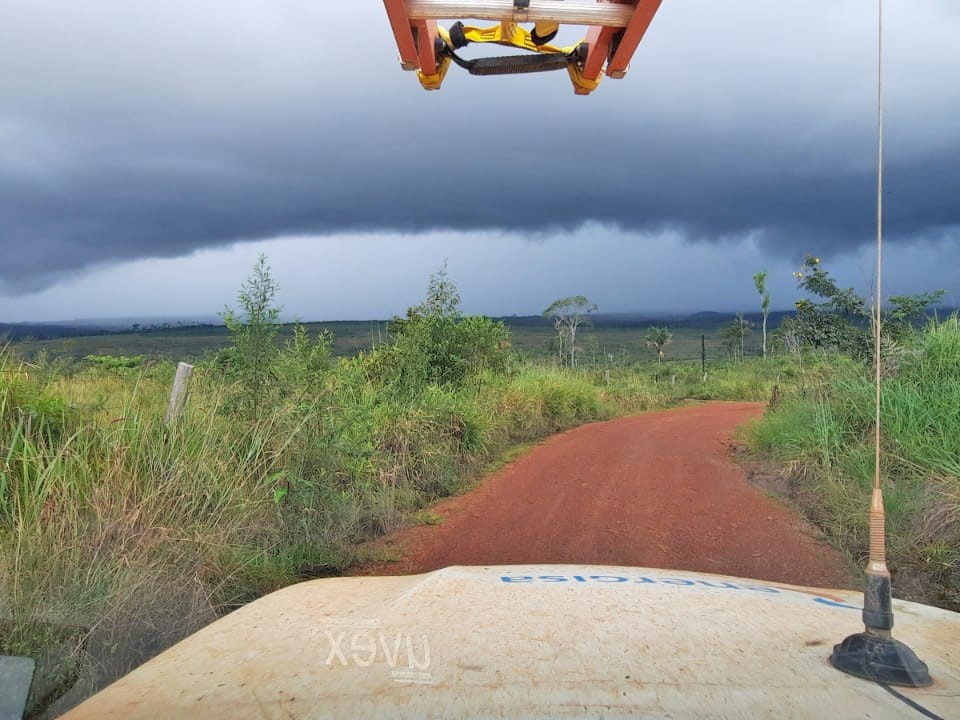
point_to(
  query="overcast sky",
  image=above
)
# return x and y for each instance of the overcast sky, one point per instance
(150, 151)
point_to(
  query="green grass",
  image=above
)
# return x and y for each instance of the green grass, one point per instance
(426, 516)
(603, 345)
(826, 436)
(195, 342)
(119, 535)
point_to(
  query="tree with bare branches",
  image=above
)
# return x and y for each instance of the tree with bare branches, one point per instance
(568, 314)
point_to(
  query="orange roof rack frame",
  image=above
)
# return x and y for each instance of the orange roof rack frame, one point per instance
(616, 28)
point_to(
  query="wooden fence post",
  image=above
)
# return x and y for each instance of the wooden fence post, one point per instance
(178, 396)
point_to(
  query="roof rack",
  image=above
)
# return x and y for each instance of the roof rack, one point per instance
(616, 28)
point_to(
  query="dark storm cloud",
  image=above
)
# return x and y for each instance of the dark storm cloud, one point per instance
(139, 136)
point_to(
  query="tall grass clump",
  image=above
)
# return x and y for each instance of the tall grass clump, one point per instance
(752, 379)
(122, 535)
(826, 437)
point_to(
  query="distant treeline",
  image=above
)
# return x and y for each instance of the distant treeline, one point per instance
(43, 331)
(706, 321)
(39, 331)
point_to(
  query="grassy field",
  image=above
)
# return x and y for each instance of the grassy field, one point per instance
(120, 535)
(192, 343)
(610, 341)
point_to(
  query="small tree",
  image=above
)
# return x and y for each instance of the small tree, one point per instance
(760, 282)
(844, 321)
(443, 297)
(734, 335)
(908, 311)
(658, 338)
(568, 315)
(789, 337)
(426, 348)
(254, 334)
(841, 322)
(436, 344)
(304, 363)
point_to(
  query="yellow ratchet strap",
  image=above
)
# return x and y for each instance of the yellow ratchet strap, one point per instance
(582, 85)
(510, 36)
(433, 82)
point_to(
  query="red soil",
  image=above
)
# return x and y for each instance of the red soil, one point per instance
(655, 490)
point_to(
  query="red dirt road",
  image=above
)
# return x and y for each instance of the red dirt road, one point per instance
(655, 490)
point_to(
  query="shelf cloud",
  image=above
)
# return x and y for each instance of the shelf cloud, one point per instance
(132, 131)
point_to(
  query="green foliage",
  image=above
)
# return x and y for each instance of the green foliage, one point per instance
(840, 322)
(843, 321)
(301, 369)
(908, 311)
(788, 337)
(485, 344)
(436, 344)
(609, 342)
(658, 338)
(826, 434)
(115, 363)
(760, 283)
(751, 379)
(254, 333)
(559, 400)
(568, 315)
(32, 420)
(443, 297)
(428, 517)
(734, 336)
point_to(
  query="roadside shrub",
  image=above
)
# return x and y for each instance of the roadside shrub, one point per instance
(116, 363)
(435, 344)
(253, 332)
(826, 436)
(302, 368)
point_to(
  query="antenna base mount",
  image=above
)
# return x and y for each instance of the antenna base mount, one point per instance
(880, 659)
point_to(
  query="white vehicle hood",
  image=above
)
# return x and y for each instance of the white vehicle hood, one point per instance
(535, 641)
